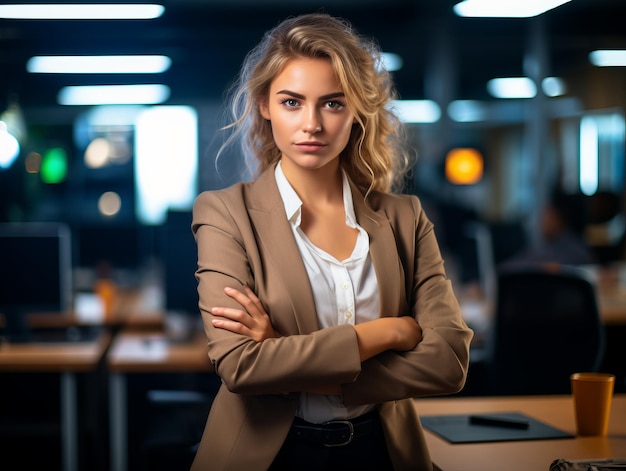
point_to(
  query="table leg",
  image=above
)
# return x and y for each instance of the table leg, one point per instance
(118, 422)
(69, 422)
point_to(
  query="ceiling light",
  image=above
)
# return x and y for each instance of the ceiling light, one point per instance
(553, 86)
(608, 58)
(114, 95)
(505, 8)
(75, 11)
(512, 87)
(416, 111)
(588, 163)
(467, 111)
(151, 64)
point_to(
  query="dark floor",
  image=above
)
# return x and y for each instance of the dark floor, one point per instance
(161, 435)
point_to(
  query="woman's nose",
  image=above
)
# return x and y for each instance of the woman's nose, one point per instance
(312, 123)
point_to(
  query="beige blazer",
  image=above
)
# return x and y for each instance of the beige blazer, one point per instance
(243, 236)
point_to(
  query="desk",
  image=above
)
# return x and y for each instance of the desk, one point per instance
(140, 352)
(67, 359)
(132, 308)
(532, 455)
(612, 304)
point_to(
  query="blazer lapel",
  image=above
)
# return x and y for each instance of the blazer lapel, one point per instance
(276, 242)
(383, 250)
(278, 245)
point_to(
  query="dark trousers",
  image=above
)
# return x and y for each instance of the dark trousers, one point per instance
(365, 453)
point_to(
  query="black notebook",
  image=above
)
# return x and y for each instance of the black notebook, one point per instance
(462, 429)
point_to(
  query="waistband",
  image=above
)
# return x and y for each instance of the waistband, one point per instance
(335, 432)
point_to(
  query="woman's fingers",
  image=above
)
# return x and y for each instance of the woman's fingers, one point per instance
(248, 300)
(233, 326)
(233, 314)
(254, 299)
(252, 320)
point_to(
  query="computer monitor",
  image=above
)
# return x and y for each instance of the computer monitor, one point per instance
(35, 273)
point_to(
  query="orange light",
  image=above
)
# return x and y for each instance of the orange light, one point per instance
(464, 166)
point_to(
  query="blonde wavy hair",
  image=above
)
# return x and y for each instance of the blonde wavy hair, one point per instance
(375, 157)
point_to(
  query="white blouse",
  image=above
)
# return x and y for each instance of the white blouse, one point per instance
(345, 292)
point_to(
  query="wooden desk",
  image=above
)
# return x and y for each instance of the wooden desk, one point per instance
(532, 455)
(131, 308)
(612, 304)
(66, 359)
(136, 352)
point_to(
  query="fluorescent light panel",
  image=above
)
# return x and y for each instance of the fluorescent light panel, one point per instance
(608, 58)
(512, 87)
(467, 111)
(524, 87)
(109, 11)
(134, 64)
(114, 95)
(588, 156)
(416, 111)
(505, 8)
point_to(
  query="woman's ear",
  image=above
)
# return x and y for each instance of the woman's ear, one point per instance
(264, 108)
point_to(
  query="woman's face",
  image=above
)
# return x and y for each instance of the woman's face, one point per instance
(311, 121)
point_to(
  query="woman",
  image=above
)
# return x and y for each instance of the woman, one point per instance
(323, 295)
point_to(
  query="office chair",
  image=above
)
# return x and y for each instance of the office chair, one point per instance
(546, 326)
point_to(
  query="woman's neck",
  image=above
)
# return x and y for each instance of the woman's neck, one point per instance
(316, 186)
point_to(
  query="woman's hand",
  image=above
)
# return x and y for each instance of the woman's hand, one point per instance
(251, 321)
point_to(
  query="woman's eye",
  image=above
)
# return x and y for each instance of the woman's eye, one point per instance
(334, 105)
(290, 102)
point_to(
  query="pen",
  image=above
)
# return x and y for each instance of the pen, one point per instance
(498, 422)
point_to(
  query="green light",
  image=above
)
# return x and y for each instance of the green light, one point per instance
(54, 165)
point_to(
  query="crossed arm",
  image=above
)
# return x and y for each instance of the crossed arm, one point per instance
(373, 337)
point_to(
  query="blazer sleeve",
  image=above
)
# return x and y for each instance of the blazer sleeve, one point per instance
(229, 254)
(438, 364)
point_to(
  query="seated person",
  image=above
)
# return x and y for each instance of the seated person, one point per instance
(562, 223)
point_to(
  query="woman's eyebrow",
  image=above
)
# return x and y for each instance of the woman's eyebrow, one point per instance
(302, 97)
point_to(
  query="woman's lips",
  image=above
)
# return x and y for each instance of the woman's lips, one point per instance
(309, 146)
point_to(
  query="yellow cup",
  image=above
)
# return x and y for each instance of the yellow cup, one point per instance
(592, 394)
(107, 291)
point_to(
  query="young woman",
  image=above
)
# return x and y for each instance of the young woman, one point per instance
(324, 296)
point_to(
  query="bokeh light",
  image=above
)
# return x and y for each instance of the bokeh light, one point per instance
(32, 164)
(97, 153)
(9, 147)
(54, 165)
(464, 166)
(109, 203)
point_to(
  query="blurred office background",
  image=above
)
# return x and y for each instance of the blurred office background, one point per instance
(503, 113)
(486, 152)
